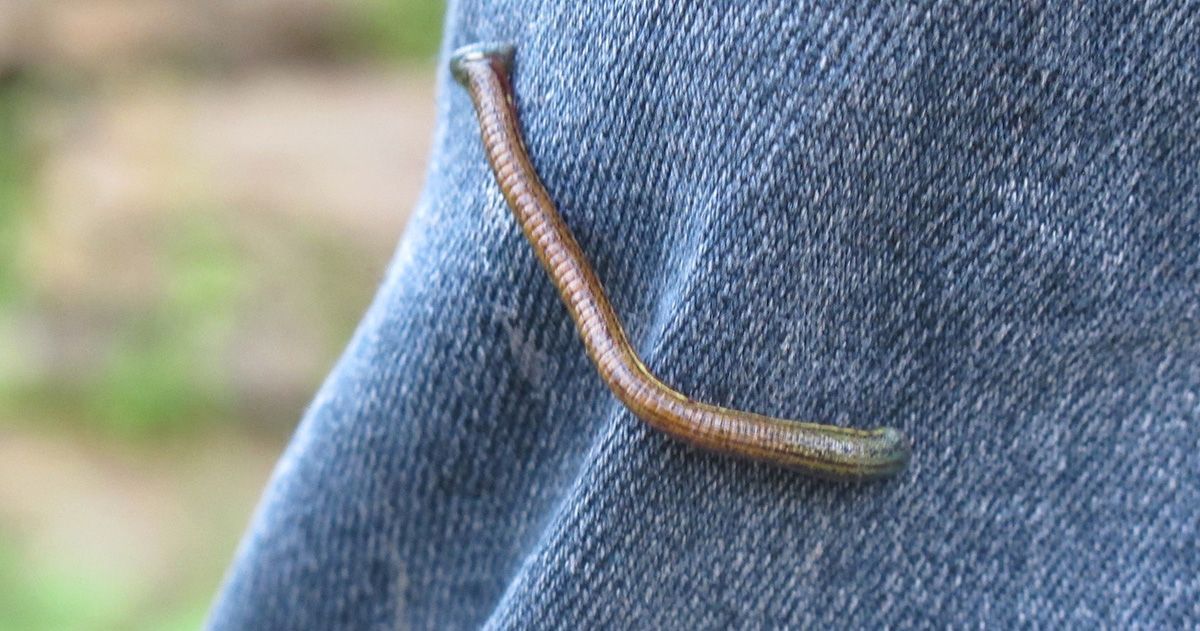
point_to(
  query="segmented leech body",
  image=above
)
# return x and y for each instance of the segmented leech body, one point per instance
(822, 450)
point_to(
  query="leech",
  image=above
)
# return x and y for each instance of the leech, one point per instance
(826, 451)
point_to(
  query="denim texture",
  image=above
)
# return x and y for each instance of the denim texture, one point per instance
(978, 223)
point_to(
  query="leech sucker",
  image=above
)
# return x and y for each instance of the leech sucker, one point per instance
(822, 450)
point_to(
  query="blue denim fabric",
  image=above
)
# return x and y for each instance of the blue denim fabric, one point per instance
(977, 223)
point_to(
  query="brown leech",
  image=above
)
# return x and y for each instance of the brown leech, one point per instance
(823, 450)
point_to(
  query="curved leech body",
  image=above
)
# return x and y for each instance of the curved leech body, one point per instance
(822, 450)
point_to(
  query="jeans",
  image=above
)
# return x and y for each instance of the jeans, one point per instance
(977, 223)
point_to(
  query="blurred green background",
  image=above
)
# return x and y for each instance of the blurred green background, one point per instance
(197, 201)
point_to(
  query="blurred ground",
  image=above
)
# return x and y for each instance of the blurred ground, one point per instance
(197, 201)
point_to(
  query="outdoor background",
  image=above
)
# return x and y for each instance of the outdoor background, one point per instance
(197, 201)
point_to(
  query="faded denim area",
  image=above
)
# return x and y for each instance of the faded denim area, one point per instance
(978, 225)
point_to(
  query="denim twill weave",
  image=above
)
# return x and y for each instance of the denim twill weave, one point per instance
(978, 223)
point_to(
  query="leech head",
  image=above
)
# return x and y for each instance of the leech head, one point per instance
(887, 450)
(499, 54)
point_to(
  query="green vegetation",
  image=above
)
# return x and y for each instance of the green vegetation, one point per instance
(404, 30)
(49, 590)
(156, 385)
(16, 168)
(160, 373)
(47, 594)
